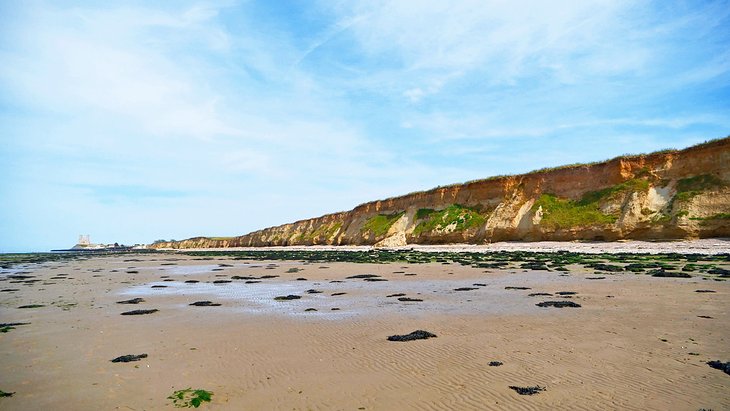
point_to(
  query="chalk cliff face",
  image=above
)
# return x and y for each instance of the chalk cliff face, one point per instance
(664, 195)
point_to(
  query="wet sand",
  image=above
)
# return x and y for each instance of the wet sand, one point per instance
(636, 343)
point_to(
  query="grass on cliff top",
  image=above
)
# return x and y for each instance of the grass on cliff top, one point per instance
(463, 218)
(380, 224)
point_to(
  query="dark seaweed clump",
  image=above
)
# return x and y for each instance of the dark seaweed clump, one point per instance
(528, 390)
(670, 274)
(129, 358)
(407, 299)
(415, 335)
(495, 363)
(704, 291)
(517, 288)
(719, 365)
(205, 304)
(362, 276)
(558, 304)
(140, 312)
(132, 301)
(465, 289)
(287, 297)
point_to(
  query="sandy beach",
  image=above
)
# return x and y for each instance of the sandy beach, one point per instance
(636, 342)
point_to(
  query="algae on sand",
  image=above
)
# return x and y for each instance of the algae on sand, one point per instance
(190, 398)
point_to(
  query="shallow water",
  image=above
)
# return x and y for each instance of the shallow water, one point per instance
(368, 298)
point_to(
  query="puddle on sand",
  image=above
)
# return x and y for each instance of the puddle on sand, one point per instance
(368, 298)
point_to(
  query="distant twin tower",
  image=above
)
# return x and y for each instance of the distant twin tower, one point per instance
(84, 239)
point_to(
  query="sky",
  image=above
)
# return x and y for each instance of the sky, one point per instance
(137, 121)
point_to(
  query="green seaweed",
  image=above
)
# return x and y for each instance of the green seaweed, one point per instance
(189, 398)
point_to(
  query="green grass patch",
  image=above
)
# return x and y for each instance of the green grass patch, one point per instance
(380, 224)
(692, 186)
(463, 217)
(323, 231)
(424, 213)
(221, 238)
(707, 220)
(633, 185)
(563, 213)
(189, 398)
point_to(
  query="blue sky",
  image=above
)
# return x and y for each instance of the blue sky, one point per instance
(134, 121)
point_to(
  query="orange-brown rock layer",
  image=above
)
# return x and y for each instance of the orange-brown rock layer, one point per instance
(664, 195)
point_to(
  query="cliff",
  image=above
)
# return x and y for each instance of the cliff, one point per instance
(664, 195)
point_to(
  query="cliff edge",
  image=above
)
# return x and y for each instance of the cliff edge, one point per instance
(673, 194)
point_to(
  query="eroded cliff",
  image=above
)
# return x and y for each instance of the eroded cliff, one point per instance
(664, 195)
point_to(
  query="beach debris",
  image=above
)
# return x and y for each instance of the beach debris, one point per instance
(415, 335)
(221, 281)
(9, 290)
(362, 276)
(129, 358)
(132, 272)
(705, 316)
(6, 394)
(495, 363)
(395, 295)
(205, 304)
(252, 282)
(159, 286)
(266, 277)
(287, 297)
(408, 299)
(479, 285)
(566, 293)
(32, 306)
(465, 289)
(310, 309)
(558, 304)
(239, 277)
(140, 312)
(539, 295)
(336, 294)
(517, 288)
(294, 270)
(595, 278)
(374, 279)
(704, 291)
(301, 279)
(527, 390)
(719, 365)
(190, 398)
(191, 281)
(313, 291)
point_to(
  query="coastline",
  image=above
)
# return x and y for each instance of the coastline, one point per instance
(708, 246)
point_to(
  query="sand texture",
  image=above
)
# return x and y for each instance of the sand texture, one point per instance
(636, 342)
